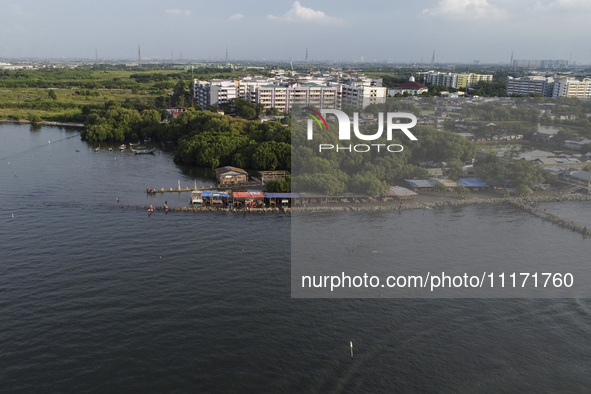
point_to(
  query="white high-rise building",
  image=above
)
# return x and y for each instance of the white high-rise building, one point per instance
(285, 93)
(570, 87)
(360, 96)
(453, 80)
(215, 92)
(524, 86)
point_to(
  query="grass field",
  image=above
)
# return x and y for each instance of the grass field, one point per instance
(60, 94)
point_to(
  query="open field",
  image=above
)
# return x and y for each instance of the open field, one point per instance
(61, 94)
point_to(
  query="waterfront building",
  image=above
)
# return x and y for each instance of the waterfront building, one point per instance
(228, 175)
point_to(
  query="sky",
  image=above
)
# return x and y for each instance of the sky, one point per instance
(399, 31)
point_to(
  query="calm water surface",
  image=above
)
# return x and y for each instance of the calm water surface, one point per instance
(96, 295)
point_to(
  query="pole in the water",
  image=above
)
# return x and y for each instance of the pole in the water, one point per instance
(351, 344)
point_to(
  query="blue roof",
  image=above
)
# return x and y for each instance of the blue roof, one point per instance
(420, 183)
(472, 182)
(209, 193)
(282, 195)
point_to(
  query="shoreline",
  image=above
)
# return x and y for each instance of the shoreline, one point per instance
(388, 206)
(525, 204)
(43, 123)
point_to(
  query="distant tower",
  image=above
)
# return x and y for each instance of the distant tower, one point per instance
(306, 57)
(511, 64)
(433, 59)
(226, 54)
(139, 56)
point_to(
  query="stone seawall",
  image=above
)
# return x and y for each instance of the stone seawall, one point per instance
(520, 202)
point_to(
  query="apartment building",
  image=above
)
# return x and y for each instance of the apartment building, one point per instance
(215, 92)
(285, 93)
(453, 80)
(360, 96)
(571, 87)
(549, 87)
(530, 85)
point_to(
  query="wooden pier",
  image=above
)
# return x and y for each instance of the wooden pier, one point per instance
(180, 189)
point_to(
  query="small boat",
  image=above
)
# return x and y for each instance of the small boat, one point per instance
(122, 147)
(110, 149)
(196, 198)
(143, 151)
(134, 144)
(151, 210)
(97, 148)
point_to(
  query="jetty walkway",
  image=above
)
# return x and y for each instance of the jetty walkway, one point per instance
(525, 206)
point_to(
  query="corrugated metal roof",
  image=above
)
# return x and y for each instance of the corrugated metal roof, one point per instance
(472, 182)
(209, 193)
(399, 191)
(283, 195)
(582, 175)
(223, 170)
(446, 182)
(248, 194)
(421, 183)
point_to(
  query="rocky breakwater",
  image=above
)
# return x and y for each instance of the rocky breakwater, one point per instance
(224, 209)
(526, 204)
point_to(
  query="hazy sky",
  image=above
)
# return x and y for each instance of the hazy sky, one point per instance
(400, 31)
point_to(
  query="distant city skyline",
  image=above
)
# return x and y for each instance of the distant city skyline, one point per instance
(458, 31)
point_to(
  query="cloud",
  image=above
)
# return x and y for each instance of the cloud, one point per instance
(568, 5)
(236, 17)
(299, 13)
(176, 11)
(466, 10)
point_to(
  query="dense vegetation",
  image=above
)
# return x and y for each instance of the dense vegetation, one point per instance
(520, 174)
(330, 172)
(119, 105)
(61, 94)
(204, 138)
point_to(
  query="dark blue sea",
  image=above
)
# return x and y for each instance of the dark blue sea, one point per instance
(98, 296)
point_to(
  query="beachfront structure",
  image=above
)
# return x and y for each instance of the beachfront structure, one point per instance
(473, 183)
(228, 176)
